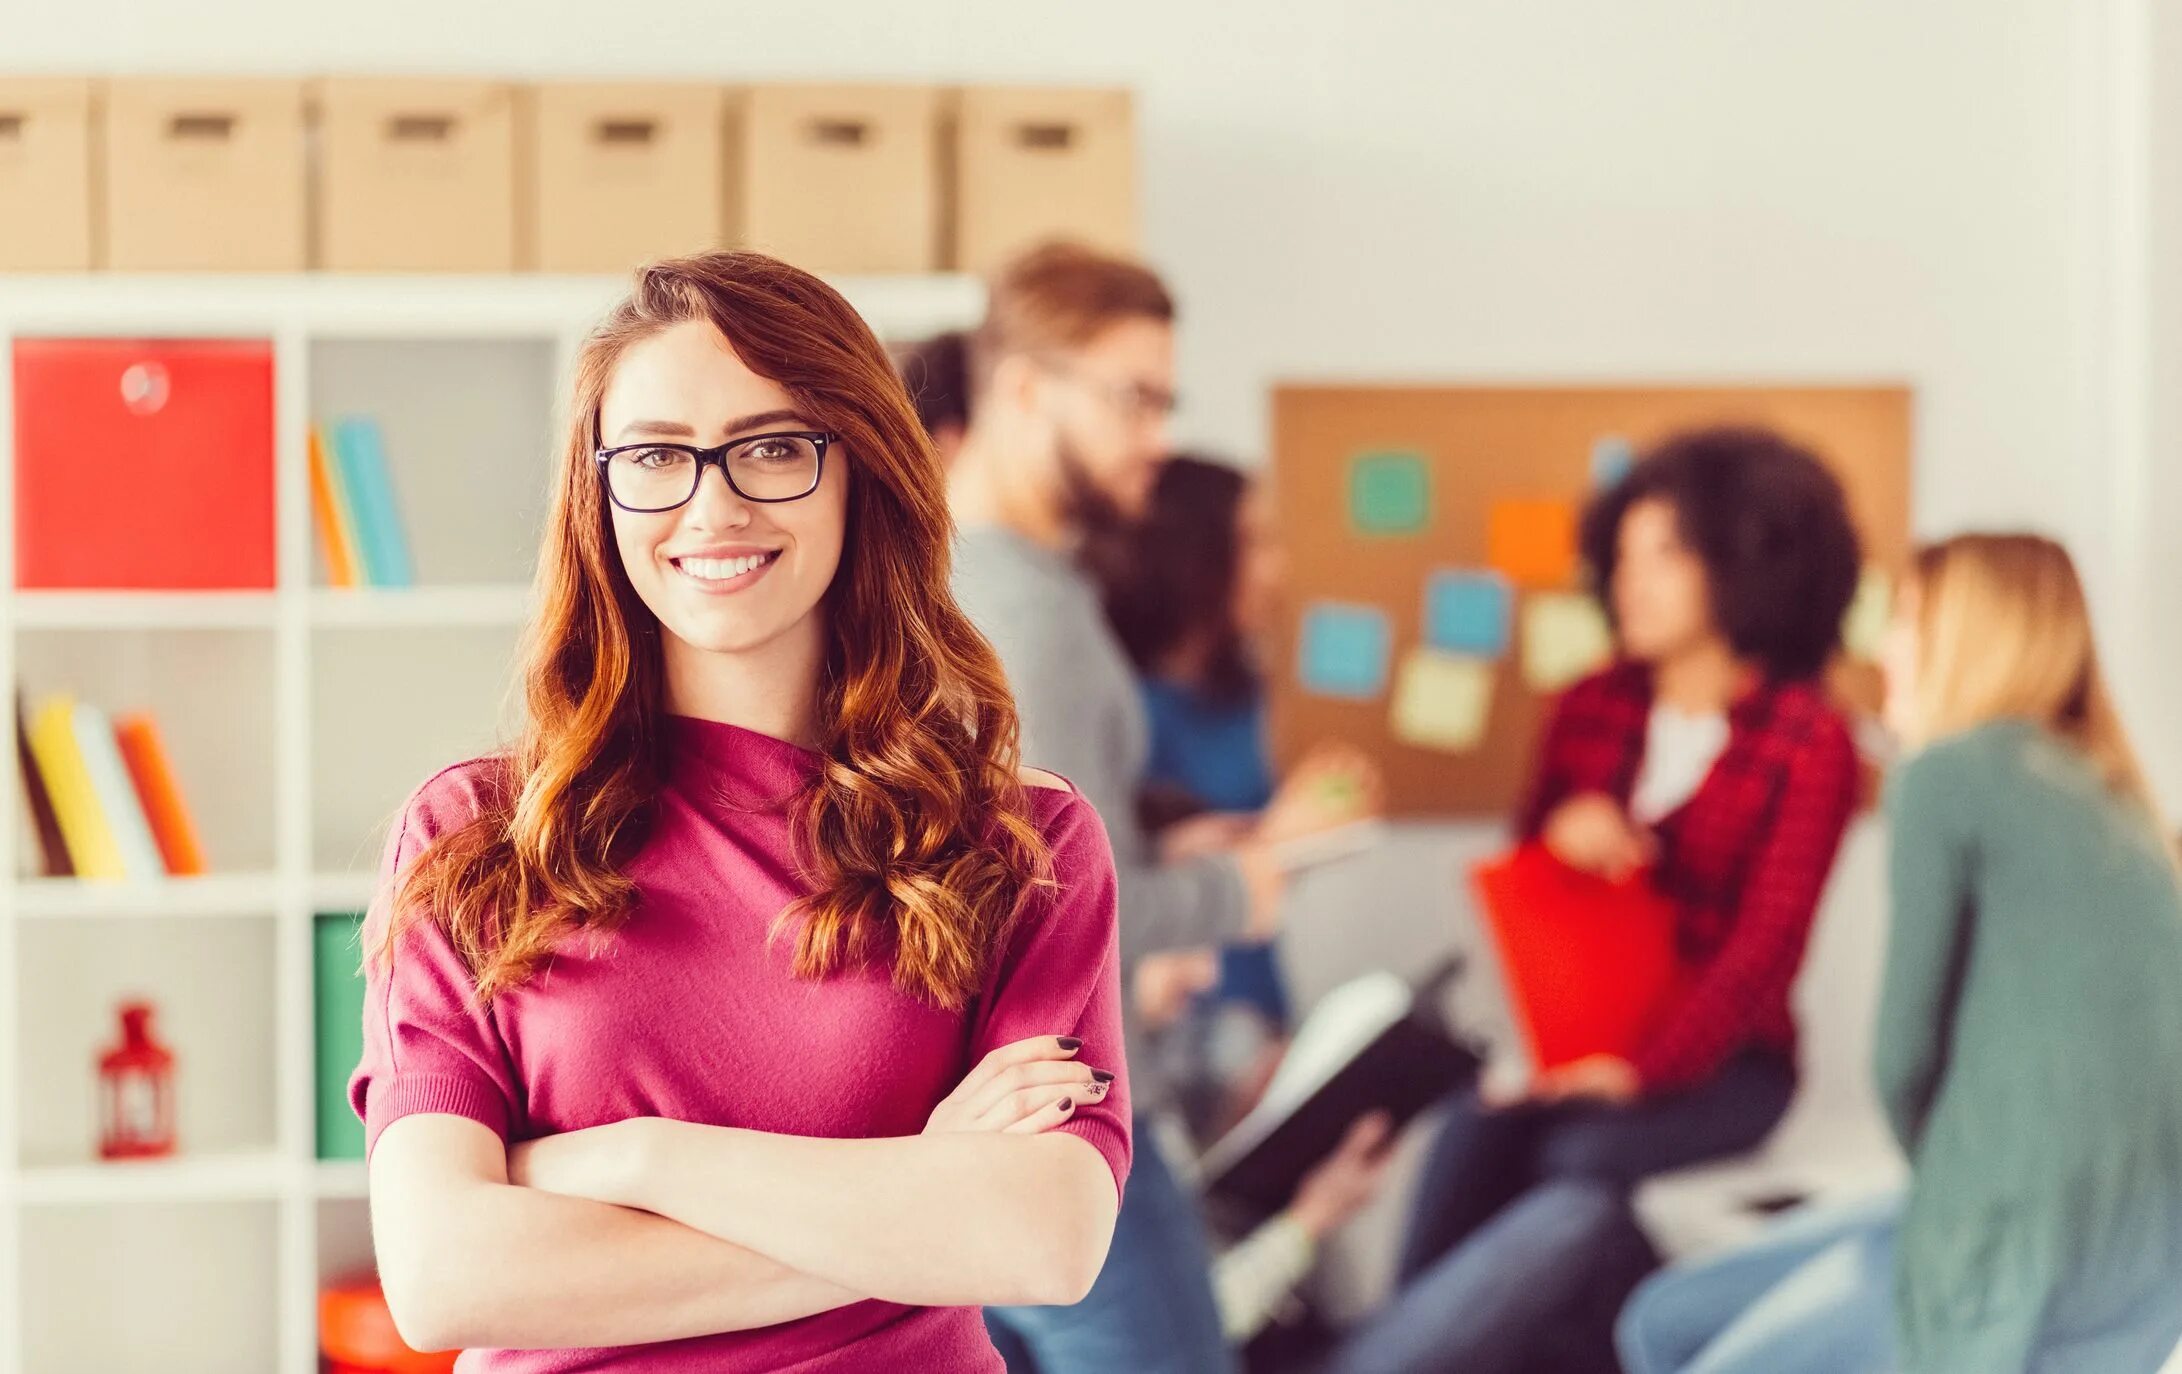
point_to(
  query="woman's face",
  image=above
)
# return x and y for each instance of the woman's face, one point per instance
(1261, 563)
(1662, 605)
(1898, 656)
(724, 575)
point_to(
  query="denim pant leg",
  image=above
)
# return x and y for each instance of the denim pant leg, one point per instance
(1728, 1114)
(1481, 1160)
(1151, 1310)
(1678, 1312)
(1833, 1314)
(1479, 1308)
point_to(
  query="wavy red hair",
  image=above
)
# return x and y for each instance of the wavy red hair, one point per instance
(915, 836)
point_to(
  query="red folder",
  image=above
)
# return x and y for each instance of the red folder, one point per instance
(1589, 964)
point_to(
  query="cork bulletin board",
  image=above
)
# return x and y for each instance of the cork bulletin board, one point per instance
(1436, 593)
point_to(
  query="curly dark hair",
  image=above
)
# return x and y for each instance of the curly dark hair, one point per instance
(1771, 524)
(1170, 574)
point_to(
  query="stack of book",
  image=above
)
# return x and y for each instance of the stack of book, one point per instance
(352, 501)
(101, 795)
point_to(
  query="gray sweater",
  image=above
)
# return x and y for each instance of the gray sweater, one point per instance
(1083, 718)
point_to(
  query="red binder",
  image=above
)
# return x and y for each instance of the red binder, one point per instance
(143, 464)
(1589, 964)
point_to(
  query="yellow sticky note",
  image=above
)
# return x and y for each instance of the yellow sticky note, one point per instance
(1864, 627)
(1565, 637)
(1441, 701)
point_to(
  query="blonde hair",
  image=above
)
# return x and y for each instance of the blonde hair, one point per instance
(2004, 631)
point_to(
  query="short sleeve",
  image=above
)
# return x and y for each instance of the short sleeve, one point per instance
(429, 1047)
(1060, 973)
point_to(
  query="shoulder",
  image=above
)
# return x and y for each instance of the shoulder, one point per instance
(1617, 697)
(1074, 832)
(1039, 780)
(448, 800)
(1804, 713)
(1947, 777)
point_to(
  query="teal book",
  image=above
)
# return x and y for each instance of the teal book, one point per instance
(367, 485)
(337, 983)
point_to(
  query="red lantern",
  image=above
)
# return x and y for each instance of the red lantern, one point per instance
(136, 1091)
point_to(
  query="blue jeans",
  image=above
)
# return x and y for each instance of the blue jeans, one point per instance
(1814, 1295)
(1522, 1242)
(1151, 1310)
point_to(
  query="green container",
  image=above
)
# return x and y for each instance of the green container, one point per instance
(338, 996)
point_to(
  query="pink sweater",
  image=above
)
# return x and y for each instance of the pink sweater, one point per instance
(691, 1013)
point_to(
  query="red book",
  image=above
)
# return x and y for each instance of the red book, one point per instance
(1589, 964)
(143, 464)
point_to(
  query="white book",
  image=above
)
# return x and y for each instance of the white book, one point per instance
(140, 861)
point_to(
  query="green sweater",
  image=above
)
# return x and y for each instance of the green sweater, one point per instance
(2030, 1060)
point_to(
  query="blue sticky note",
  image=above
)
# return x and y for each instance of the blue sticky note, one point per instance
(1467, 612)
(1389, 492)
(1344, 650)
(1611, 458)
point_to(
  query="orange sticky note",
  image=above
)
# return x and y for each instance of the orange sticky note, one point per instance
(1533, 542)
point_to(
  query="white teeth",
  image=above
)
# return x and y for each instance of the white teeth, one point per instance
(720, 569)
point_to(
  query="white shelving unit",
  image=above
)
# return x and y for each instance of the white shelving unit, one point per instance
(253, 1212)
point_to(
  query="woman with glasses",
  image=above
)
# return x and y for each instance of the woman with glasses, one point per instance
(753, 1010)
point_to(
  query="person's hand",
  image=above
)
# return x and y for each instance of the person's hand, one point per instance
(1606, 1078)
(1022, 1089)
(1345, 1180)
(1163, 983)
(1592, 833)
(1213, 832)
(1334, 785)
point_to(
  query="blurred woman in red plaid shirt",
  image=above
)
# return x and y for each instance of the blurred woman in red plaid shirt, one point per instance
(1709, 754)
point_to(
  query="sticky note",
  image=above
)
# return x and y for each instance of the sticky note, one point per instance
(1344, 649)
(1442, 701)
(1467, 612)
(1533, 542)
(1389, 493)
(1611, 458)
(1565, 637)
(1864, 626)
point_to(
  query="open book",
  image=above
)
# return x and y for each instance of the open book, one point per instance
(1376, 1043)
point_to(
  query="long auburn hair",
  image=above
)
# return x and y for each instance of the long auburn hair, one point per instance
(915, 834)
(2003, 630)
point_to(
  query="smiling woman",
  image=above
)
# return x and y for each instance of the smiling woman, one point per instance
(753, 1010)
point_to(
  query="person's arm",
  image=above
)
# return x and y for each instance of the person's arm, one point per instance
(1929, 863)
(1756, 966)
(469, 1261)
(943, 1219)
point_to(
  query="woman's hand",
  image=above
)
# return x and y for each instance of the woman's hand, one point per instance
(1211, 832)
(1591, 832)
(1345, 1180)
(1164, 983)
(1333, 785)
(1022, 1089)
(1606, 1078)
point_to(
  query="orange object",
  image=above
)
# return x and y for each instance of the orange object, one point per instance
(1589, 964)
(356, 1332)
(326, 513)
(1533, 542)
(173, 827)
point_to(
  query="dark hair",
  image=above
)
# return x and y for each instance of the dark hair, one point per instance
(1770, 523)
(1169, 576)
(936, 373)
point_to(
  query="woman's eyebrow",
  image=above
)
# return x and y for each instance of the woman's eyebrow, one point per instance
(672, 429)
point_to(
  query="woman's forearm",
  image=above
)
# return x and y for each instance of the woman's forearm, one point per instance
(472, 1263)
(957, 1219)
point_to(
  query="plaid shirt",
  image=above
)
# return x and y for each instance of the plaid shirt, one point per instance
(1745, 858)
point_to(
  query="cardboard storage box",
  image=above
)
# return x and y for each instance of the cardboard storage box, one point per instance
(418, 175)
(1032, 164)
(203, 174)
(839, 178)
(45, 174)
(624, 173)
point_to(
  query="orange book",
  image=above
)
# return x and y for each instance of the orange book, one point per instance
(153, 776)
(326, 512)
(1589, 964)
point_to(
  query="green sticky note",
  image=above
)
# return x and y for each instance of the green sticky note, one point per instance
(1389, 492)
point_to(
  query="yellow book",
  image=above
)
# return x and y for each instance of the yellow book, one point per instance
(329, 507)
(92, 848)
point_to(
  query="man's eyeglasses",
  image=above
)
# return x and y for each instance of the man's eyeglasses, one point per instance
(649, 478)
(1134, 400)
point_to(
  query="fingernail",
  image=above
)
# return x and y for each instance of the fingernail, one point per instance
(1067, 1102)
(1102, 1076)
(1068, 1042)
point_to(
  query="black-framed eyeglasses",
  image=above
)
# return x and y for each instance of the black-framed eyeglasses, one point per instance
(649, 478)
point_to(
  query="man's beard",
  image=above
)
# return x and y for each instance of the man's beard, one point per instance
(1085, 506)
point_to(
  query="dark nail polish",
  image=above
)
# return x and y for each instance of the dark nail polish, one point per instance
(1067, 1102)
(1102, 1076)
(1069, 1043)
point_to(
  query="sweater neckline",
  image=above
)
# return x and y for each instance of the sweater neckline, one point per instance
(716, 754)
